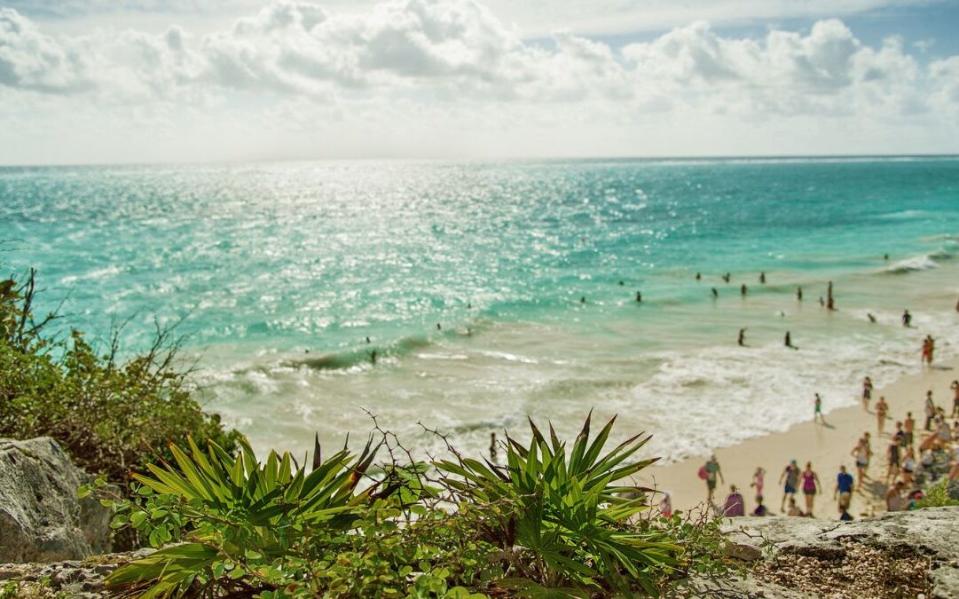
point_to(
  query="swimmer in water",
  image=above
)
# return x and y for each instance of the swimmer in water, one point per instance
(373, 357)
(726, 277)
(821, 302)
(762, 278)
(742, 290)
(438, 327)
(799, 294)
(621, 283)
(885, 257)
(699, 276)
(639, 297)
(582, 300)
(742, 338)
(367, 339)
(872, 318)
(715, 293)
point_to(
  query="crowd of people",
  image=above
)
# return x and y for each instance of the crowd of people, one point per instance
(912, 460)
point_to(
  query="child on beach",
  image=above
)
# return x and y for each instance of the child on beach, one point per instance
(794, 509)
(810, 484)
(791, 477)
(882, 408)
(760, 508)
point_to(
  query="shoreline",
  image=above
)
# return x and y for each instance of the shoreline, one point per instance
(826, 446)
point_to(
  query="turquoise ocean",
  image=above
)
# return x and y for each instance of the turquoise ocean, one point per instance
(468, 278)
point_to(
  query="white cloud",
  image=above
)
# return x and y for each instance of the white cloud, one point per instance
(445, 74)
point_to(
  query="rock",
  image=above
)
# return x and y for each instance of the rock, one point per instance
(41, 518)
(73, 579)
(896, 554)
(743, 552)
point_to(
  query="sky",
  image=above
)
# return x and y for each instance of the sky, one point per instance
(142, 81)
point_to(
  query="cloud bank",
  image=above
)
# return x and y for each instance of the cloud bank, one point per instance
(448, 77)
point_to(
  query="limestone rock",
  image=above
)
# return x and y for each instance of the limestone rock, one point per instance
(895, 554)
(41, 518)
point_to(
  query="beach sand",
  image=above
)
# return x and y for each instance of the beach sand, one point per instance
(827, 447)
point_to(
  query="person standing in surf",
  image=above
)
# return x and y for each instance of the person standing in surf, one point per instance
(866, 392)
(741, 340)
(906, 319)
(817, 414)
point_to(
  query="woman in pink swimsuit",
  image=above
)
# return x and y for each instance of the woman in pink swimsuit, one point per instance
(810, 484)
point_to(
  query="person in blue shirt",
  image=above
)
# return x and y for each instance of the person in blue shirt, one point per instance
(844, 483)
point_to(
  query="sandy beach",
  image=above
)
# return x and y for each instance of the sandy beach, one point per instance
(826, 446)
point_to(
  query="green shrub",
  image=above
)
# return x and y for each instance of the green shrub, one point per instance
(566, 513)
(111, 417)
(941, 494)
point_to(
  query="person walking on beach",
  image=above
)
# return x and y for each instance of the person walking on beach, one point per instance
(790, 477)
(742, 338)
(759, 477)
(861, 455)
(906, 318)
(818, 415)
(892, 457)
(810, 484)
(908, 430)
(882, 408)
(844, 482)
(955, 398)
(866, 392)
(930, 408)
(709, 472)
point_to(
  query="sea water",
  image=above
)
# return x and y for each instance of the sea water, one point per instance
(493, 291)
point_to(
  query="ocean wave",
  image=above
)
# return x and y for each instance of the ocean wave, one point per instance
(93, 275)
(904, 215)
(917, 263)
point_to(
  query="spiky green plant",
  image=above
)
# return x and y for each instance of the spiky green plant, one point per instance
(567, 511)
(240, 515)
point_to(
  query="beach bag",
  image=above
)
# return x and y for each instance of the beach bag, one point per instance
(703, 474)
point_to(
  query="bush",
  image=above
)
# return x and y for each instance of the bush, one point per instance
(547, 524)
(941, 494)
(111, 417)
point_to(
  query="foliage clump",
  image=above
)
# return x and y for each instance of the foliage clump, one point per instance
(111, 416)
(550, 522)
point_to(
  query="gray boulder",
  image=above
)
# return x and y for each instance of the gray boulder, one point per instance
(896, 554)
(41, 517)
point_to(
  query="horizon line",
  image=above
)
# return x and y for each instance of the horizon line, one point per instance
(623, 158)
